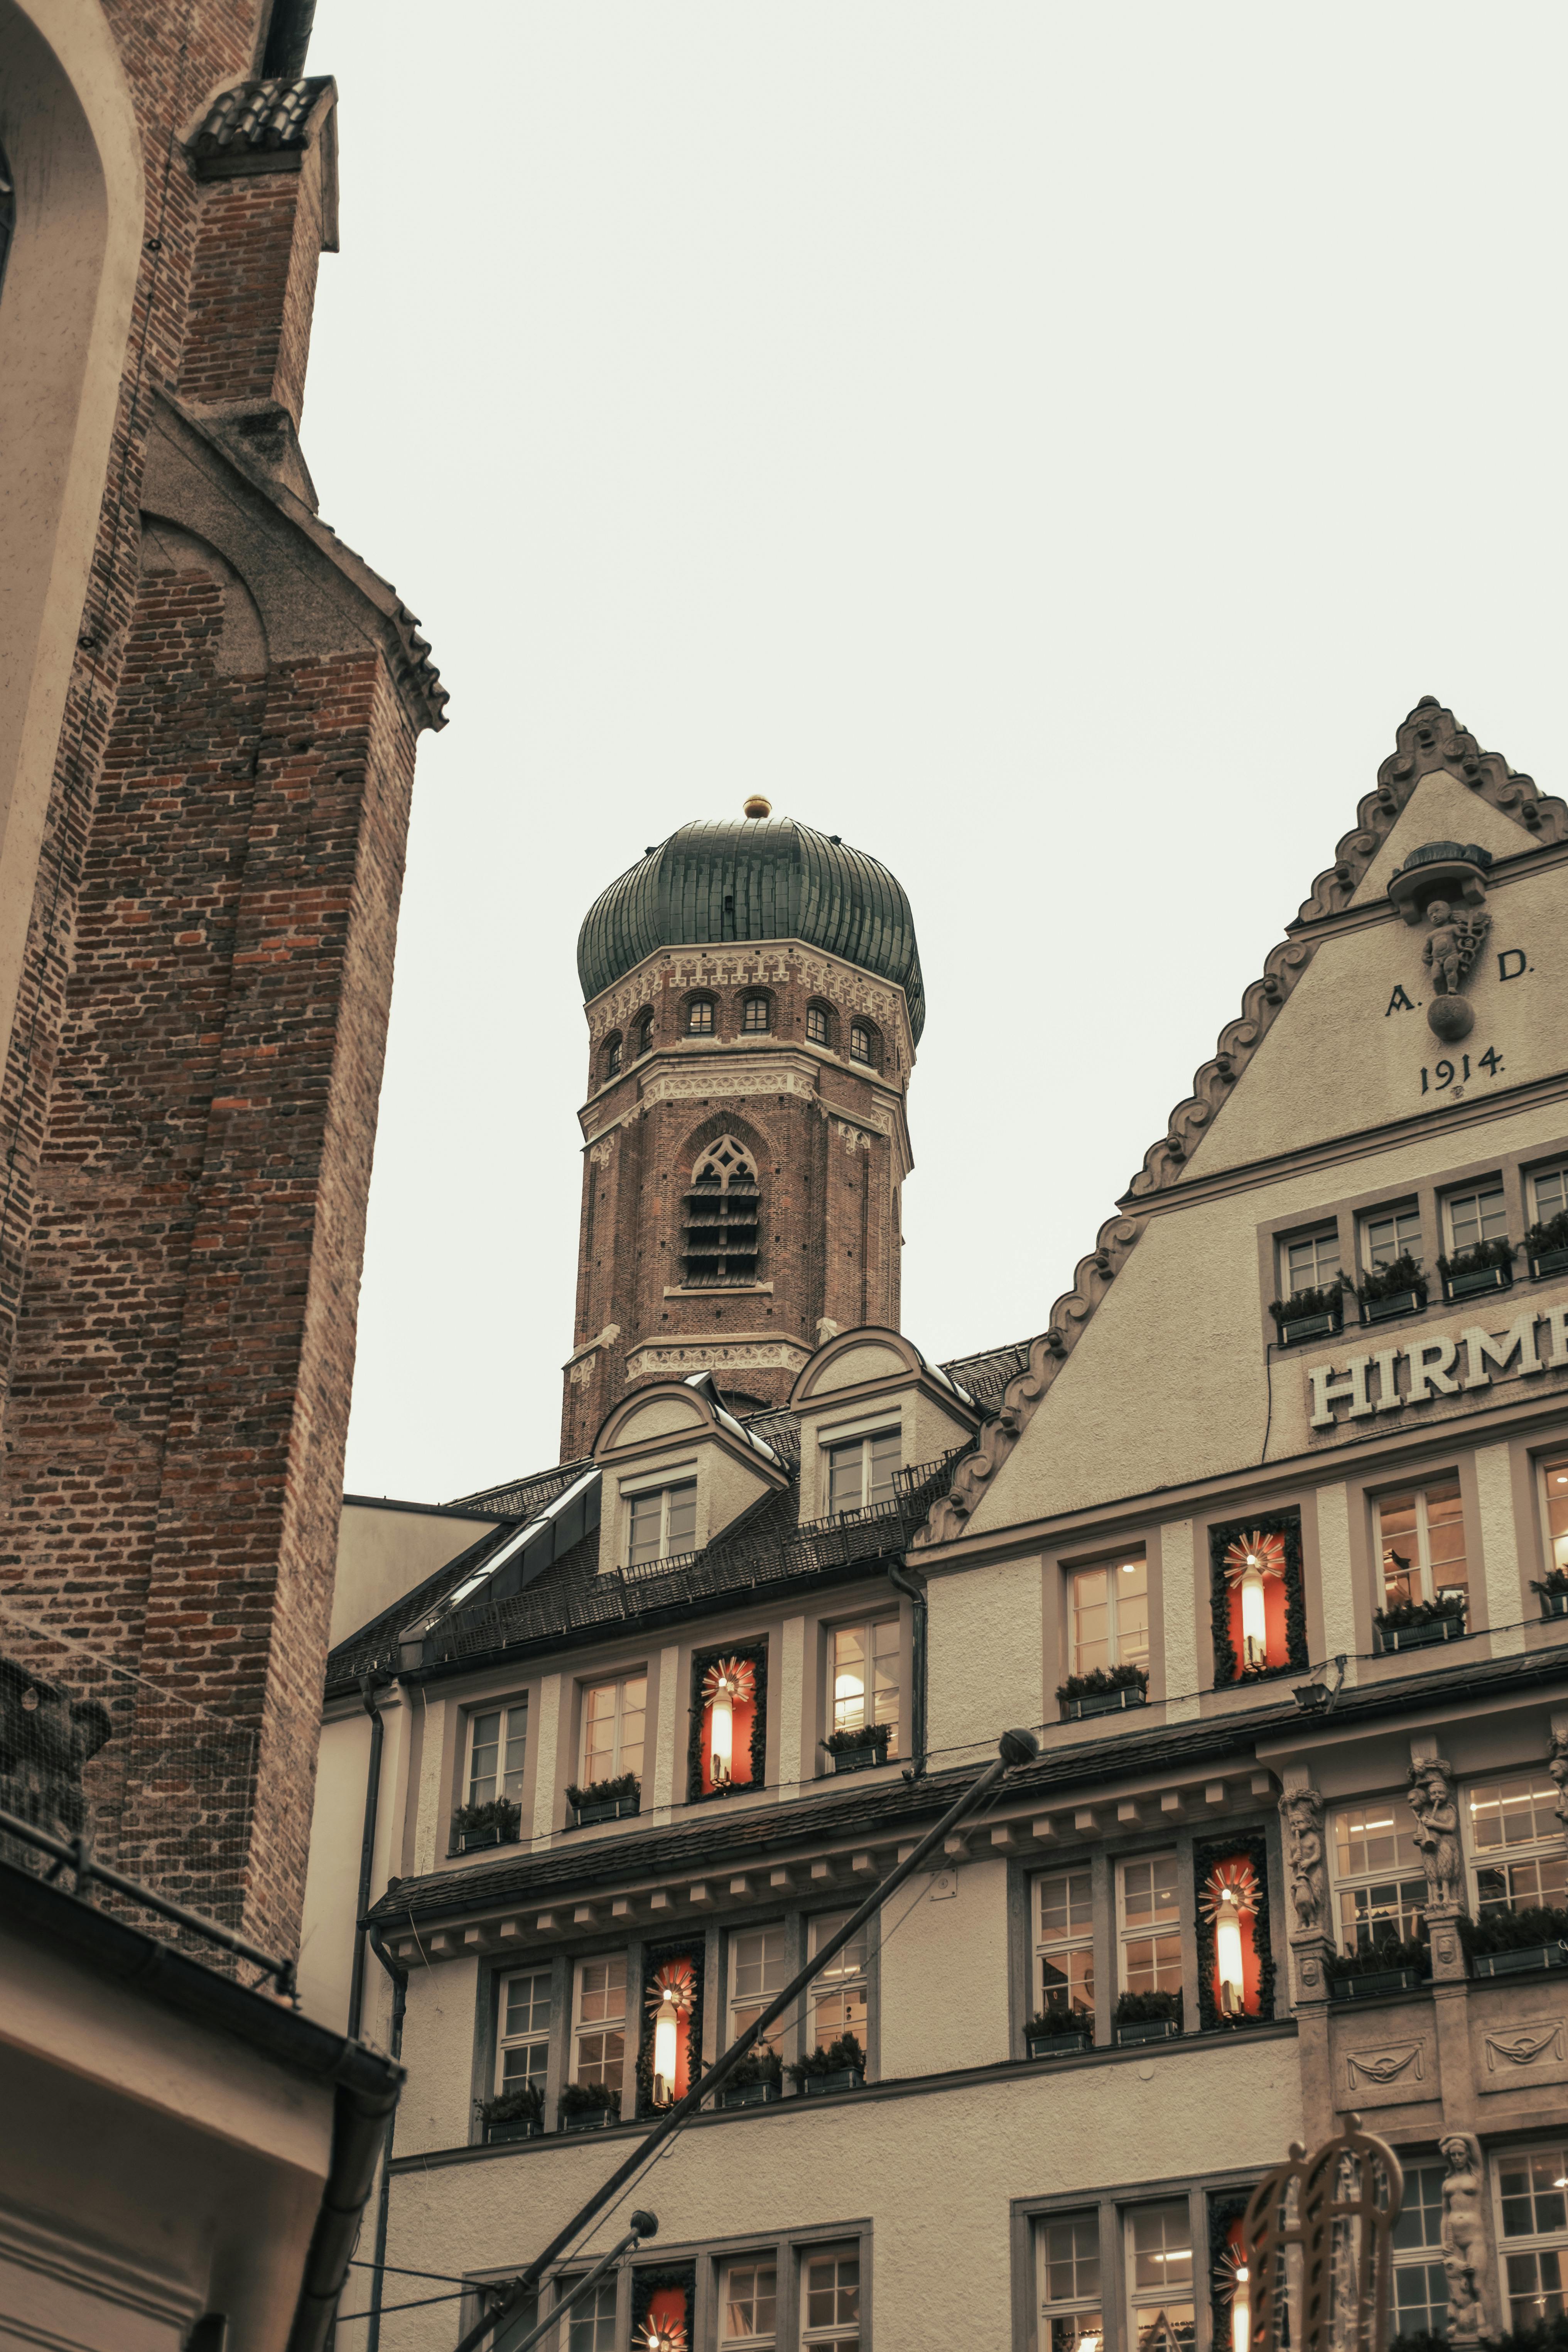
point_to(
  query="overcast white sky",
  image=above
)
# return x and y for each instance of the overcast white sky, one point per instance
(1050, 447)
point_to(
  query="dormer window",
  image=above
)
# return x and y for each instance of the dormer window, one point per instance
(861, 1047)
(722, 1209)
(860, 1472)
(699, 1017)
(754, 1020)
(663, 1523)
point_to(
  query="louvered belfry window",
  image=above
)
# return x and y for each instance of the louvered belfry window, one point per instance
(722, 1209)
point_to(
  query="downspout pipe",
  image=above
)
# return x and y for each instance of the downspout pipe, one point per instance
(399, 1976)
(366, 1851)
(901, 1582)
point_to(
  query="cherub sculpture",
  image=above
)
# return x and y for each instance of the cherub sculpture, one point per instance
(1453, 943)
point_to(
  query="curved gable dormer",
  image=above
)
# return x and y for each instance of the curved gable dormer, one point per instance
(870, 1405)
(678, 1471)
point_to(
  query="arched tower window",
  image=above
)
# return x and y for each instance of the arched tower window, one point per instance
(645, 1034)
(863, 1044)
(722, 1209)
(818, 1026)
(699, 1017)
(613, 1057)
(754, 1021)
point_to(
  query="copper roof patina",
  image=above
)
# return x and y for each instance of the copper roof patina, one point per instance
(750, 878)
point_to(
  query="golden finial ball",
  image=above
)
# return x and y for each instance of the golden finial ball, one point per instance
(757, 806)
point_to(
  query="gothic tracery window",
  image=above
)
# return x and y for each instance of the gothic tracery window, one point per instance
(722, 1208)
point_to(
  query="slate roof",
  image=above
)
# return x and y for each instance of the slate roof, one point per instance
(273, 115)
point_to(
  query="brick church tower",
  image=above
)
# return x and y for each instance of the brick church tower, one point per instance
(754, 996)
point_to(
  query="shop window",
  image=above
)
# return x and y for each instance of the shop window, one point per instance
(862, 1048)
(1420, 1537)
(613, 1717)
(599, 2032)
(1308, 1261)
(862, 1471)
(524, 2043)
(723, 1207)
(837, 1995)
(755, 1016)
(1517, 1859)
(830, 2302)
(748, 2306)
(498, 1743)
(1160, 2277)
(1258, 1598)
(1388, 1235)
(1150, 1925)
(1380, 1886)
(1064, 1948)
(1554, 1506)
(699, 1017)
(863, 1664)
(1236, 1964)
(759, 1968)
(1480, 1216)
(1109, 1607)
(818, 1026)
(727, 1742)
(1420, 2282)
(662, 1523)
(1533, 2186)
(1067, 2270)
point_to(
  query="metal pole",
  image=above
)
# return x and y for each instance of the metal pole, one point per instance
(644, 2225)
(1017, 1747)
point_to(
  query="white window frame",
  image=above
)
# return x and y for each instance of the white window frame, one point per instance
(1549, 1469)
(1075, 2306)
(617, 1682)
(1428, 2255)
(534, 2038)
(506, 1709)
(737, 2000)
(1546, 1846)
(1422, 1563)
(604, 2024)
(1144, 2298)
(1370, 1217)
(1128, 1933)
(843, 1974)
(668, 1485)
(842, 1441)
(1397, 1872)
(1488, 1187)
(1072, 1938)
(1533, 2242)
(850, 2250)
(868, 1628)
(1556, 1171)
(1113, 1567)
(1315, 1235)
(756, 2341)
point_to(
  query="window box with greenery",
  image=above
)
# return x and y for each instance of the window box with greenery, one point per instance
(756, 2081)
(1310, 1314)
(861, 1749)
(1058, 2033)
(1510, 1943)
(840, 2067)
(1420, 1624)
(1485, 1265)
(1397, 1289)
(589, 2106)
(606, 1800)
(514, 2114)
(1148, 2017)
(1388, 1966)
(500, 1822)
(1107, 1691)
(1553, 1591)
(1546, 1247)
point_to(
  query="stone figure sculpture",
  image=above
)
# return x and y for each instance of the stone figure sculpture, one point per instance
(1437, 1815)
(1302, 1813)
(1557, 1765)
(1466, 2259)
(1453, 943)
(46, 1739)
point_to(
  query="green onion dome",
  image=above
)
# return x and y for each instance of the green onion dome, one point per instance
(754, 877)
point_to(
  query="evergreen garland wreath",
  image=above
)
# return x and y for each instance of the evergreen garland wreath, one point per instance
(755, 1654)
(648, 2278)
(1253, 1846)
(1227, 1665)
(1225, 2208)
(654, 1958)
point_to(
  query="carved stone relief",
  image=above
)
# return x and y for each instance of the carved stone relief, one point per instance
(1398, 2069)
(1538, 2041)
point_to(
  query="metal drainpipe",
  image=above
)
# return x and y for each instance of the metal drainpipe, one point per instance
(399, 1976)
(366, 1852)
(902, 1583)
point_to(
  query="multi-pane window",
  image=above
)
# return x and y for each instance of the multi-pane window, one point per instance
(613, 1717)
(837, 1995)
(591, 2324)
(1064, 1944)
(1160, 2274)
(1308, 1261)
(1478, 1216)
(699, 1017)
(1420, 2283)
(865, 1671)
(1554, 1494)
(860, 1047)
(663, 1523)
(613, 1058)
(748, 2306)
(1067, 2257)
(497, 1741)
(860, 1472)
(817, 1029)
(599, 2036)
(1535, 2233)
(759, 1968)
(645, 1034)
(1111, 1615)
(1150, 1925)
(524, 2040)
(1516, 1846)
(1549, 1192)
(1390, 1234)
(830, 2302)
(1421, 1543)
(519, 2326)
(1380, 1886)
(755, 1015)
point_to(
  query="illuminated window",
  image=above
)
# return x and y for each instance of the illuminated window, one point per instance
(1160, 2276)
(1421, 1543)
(663, 1523)
(599, 2034)
(1066, 2272)
(1111, 1615)
(748, 2306)
(699, 1017)
(1555, 1503)
(1391, 1233)
(498, 1738)
(838, 1994)
(614, 1715)
(861, 1472)
(830, 2302)
(818, 1026)
(1478, 1216)
(524, 2050)
(755, 1016)
(1516, 1846)
(1308, 1261)
(861, 1048)
(1535, 2233)
(759, 1968)
(1064, 1946)
(1150, 1925)
(864, 1666)
(1380, 1887)
(1420, 2283)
